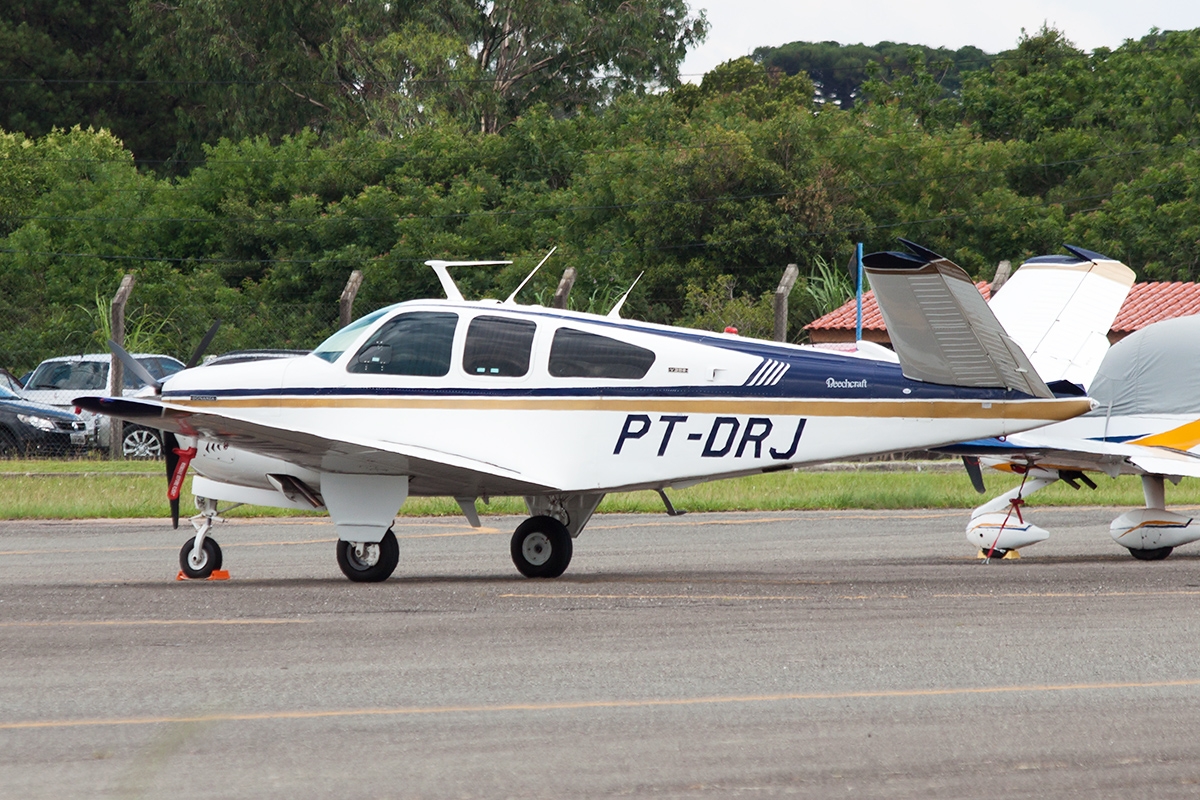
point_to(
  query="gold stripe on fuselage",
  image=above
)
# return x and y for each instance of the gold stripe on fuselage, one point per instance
(907, 409)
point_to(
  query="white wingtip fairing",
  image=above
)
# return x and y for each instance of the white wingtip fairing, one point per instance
(1059, 309)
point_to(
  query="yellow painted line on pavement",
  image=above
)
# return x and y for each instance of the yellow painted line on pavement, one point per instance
(679, 702)
(654, 597)
(159, 547)
(745, 597)
(121, 623)
(994, 595)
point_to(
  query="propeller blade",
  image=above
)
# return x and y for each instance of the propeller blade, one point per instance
(971, 463)
(133, 366)
(204, 343)
(170, 444)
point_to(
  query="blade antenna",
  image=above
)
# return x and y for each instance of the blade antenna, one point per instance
(509, 301)
(616, 310)
(198, 353)
(442, 270)
(133, 366)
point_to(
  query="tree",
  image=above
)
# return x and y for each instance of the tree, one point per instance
(246, 69)
(68, 62)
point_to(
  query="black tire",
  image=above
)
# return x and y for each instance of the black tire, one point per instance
(541, 548)
(141, 444)
(378, 564)
(1155, 554)
(9, 446)
(997, 553)
(211, 552)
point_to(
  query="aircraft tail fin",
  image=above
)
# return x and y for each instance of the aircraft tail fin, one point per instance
(941, 328)
(1059, 310)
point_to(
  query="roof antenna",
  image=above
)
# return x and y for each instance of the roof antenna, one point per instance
(509, 301)
(616, 310)
(441, 269)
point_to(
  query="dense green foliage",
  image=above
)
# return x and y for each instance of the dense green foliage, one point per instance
(710, 190)
(839, 72)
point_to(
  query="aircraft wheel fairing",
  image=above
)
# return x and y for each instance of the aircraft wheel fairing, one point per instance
(1157, 554)
(368, 562)
(541, 547)
(208, 560)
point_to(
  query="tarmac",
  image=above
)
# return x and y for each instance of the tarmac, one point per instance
(790, 654)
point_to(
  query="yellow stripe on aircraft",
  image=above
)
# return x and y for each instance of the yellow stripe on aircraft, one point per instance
(909, 409)
(1185, 437)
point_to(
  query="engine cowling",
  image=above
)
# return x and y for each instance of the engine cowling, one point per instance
(1003, 531)
(1152, 528)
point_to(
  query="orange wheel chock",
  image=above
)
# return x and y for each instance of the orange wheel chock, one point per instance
(217, 575)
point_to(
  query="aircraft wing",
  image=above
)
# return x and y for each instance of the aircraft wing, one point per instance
(431, 472)
(1113, 458)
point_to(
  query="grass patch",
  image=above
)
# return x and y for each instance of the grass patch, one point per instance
(88, 465)
(74, 492)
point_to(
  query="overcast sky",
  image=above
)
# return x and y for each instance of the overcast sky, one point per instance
(739, 26)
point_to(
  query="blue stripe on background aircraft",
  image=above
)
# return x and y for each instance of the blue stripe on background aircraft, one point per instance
(477, 399)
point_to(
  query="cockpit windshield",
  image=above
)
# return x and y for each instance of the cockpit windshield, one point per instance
(333, 347)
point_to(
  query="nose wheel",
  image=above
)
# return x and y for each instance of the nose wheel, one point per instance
(198, 565)
(541, 548)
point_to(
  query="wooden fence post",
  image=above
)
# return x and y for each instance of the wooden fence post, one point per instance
(116, 428)
(564, 288)
(781, 301)
(1003, 273)
(346, 301)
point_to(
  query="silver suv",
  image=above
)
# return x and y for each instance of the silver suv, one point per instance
(58, 381)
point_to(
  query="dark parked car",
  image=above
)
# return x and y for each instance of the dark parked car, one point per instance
(10, 381)
(28, 428)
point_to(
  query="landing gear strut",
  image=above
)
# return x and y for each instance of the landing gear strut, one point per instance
(541, 547)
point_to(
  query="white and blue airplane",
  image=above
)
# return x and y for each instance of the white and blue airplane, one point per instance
(477, 399)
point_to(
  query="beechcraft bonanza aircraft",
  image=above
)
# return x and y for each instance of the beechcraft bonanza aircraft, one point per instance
(476, 399)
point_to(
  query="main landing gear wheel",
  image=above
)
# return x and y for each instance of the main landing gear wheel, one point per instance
(541, 547)
(369, 562)
(205, 563)
(1156, 554)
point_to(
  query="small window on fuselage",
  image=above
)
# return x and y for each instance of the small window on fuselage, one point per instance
(576, 354)
(417, 343)
(498, 347)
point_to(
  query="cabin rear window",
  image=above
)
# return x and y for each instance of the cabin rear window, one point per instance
(575, 354)
(498, 347)
(411, 344)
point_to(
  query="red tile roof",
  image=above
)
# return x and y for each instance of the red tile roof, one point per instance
(1150, 302)
(1147, 303)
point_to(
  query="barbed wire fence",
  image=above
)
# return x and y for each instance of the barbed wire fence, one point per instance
(246, 323)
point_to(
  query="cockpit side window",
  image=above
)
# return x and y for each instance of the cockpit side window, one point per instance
(576, 354)
(498, 347)
(418, 343)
